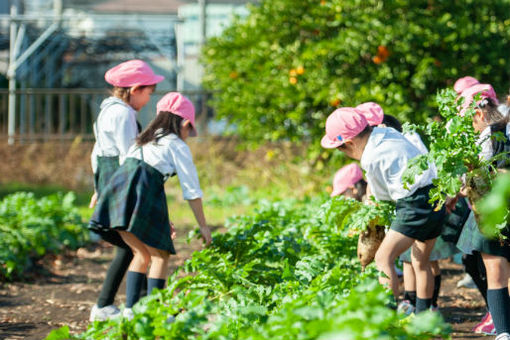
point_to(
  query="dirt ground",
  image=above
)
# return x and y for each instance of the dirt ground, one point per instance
(63, 290)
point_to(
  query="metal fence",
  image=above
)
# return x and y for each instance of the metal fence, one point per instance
(64, 114)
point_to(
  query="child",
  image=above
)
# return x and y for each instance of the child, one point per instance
(496, 256)
(384, 154)
(349, 182)
(115, 129)
(442, 249)
(134, 202)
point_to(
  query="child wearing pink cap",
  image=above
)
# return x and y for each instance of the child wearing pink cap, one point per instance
(134, 202)
(349, 182)
(115, 130)
(384, 154)
(489, 122)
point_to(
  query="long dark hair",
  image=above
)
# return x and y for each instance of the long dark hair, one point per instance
(490, 109)
(164, 124)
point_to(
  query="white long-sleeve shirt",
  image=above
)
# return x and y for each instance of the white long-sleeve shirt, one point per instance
(385, 159)
(115, 130)
(171, 155)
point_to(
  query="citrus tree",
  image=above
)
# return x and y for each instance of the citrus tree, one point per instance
(279, 72)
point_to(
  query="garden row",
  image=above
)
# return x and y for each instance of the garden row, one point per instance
(31, 228)
(287, 271)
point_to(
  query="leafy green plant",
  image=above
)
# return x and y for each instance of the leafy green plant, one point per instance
(282, 272)
(279, 72)
(31, 228)
(495, 206)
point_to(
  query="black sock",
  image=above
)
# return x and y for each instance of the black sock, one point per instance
(143, 290)
(499, 306)
(411, 296)
(114, 276)
(476, 269)
(422, 305)
(134, 283)
(437, 288)
(155, 283)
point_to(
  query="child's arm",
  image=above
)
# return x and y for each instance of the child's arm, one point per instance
(198, 211)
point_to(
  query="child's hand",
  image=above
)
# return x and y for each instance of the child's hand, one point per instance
(93, 200)
(173, 234)
(206, 234)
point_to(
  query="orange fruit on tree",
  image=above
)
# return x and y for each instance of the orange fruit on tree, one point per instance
(300, 70)
(293, 80)
(335, 102)
(292, 73)
(377, 60)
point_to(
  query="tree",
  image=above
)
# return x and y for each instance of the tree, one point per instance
(279, 72)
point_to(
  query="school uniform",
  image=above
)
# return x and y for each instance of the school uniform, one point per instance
(135, 199)
(115, 130)
(445, 245)
(384, 160)
(472, 239)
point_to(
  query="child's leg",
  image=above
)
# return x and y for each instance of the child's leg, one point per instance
(114, 275)
(409, 283)
(137, 269)
(498, 272)
(476, 269)
(159, 269)
(436, 272)
(420, 257)
(391, 247)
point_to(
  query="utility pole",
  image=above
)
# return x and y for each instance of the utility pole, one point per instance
(11, 126)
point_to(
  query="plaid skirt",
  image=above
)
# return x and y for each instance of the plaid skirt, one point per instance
(134, 200)
(106, 167)
(471, 239)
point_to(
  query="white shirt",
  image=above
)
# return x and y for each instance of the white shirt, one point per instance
(385, 159)
(115, 130)
(415, 139)
(171, 155)
(485, 141)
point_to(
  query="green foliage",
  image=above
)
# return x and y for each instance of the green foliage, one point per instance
(453, 149)
(495, 206)
(30, 228)
(278, 73)
(280, 273)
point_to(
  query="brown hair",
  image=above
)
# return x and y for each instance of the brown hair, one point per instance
(123, 92)
(164, 124)
(490, 110)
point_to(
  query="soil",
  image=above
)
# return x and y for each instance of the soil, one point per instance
(63, 289)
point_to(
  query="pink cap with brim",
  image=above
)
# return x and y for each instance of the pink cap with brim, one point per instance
(132, 73)
(463, 83)
(484, 90)
(179, 105)
(373, 112)
(343, 125)
(345, 178)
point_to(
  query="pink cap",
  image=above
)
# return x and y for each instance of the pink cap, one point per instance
(132, 73)
(343, 125)
(373, 112)
(484, 90)
(179, 105)
(345, 178)
(463, 83)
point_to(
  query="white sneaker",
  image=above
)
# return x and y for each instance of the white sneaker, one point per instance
(406, 307)
(467, 282)
(503, 336)
(128, 313)
(104, 313)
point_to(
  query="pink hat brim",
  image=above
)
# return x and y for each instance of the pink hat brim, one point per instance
(329, 144)
(154, 80)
